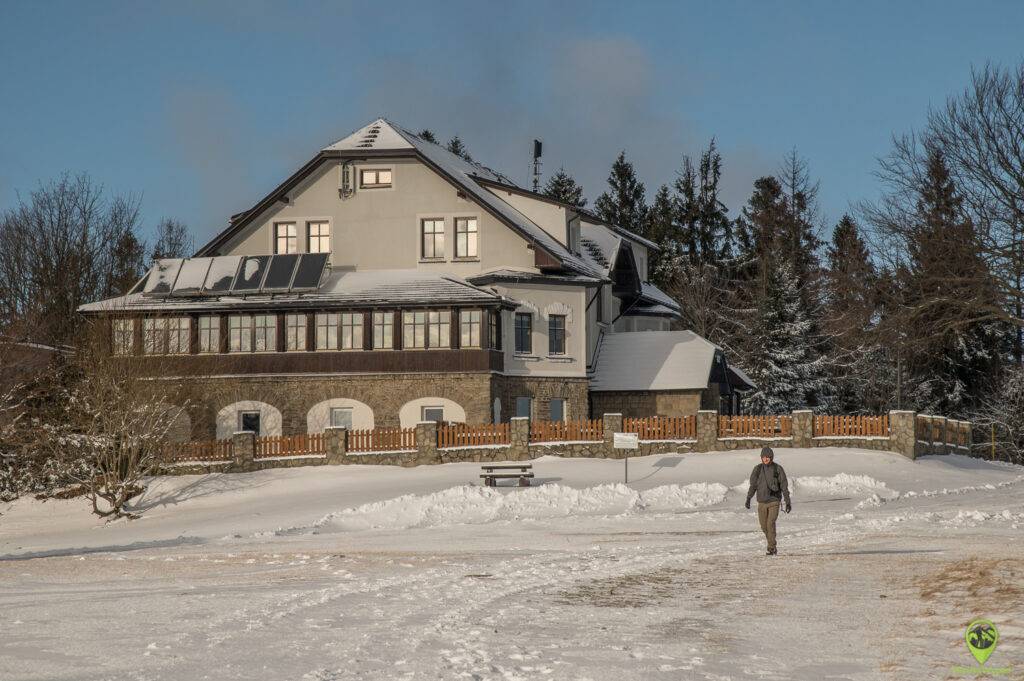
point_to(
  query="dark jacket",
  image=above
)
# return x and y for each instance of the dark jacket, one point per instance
(769, 482)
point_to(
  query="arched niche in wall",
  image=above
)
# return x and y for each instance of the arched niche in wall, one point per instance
(319, 416)
(412, 412)
(233, 417)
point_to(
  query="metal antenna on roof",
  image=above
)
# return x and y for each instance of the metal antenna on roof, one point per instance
(537, 148)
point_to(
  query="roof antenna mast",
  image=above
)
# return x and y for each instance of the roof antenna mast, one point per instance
(537, 148)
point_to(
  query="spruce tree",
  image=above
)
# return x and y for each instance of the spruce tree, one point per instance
(562, 187)
(787, 373)
(427, 135)
(624, 203)
(951, 356)
(662, 222)
(457, 147)
(704, 217)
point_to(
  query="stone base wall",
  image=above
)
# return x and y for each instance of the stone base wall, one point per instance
(644, 403)
(731, 443)
(880, 444)
(541, 389)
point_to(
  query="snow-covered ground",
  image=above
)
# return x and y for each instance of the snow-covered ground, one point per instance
(374, 572)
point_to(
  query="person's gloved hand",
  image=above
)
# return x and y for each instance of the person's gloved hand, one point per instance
(789, 507)
(747, 504)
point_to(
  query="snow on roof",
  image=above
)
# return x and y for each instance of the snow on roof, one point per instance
(653, 360)
(742, 376)
(599, 245)
(650, 292)
(341, 287)
(376, 135)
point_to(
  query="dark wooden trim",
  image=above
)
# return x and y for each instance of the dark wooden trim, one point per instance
(367, 361)
(454, 335)
(222, 340)
(368, 330)
(311, 331)
(193, 335)
(282, 338)
(398, 340)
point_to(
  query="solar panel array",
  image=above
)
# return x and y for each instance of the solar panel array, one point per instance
(236, 275)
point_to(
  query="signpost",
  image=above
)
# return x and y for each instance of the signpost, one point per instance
(626, 441)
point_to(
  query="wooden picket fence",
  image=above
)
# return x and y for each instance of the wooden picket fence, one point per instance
(851, 426)
(381, 440)
(662, 427)
(567, 431)
(202, 450)
(290, 445)
(755, 426)
(463, 435)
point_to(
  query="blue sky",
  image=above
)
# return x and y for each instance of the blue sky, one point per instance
(201, 108)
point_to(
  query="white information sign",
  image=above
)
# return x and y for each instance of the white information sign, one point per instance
(626, 441)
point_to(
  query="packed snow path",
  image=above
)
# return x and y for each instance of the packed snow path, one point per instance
(384, 573)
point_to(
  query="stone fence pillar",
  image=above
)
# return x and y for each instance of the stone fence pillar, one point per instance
(707, 430)
(426, 442)
(612, 424)
(337, 445)
(803, 428)
(519, 436)
(243, 451)
(903, 433)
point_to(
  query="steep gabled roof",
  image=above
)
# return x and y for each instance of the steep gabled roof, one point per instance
(653, 360)
(383, 138)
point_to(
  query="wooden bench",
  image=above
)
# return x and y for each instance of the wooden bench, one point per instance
(491, 477)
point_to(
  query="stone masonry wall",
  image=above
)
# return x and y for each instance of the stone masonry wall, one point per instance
(644, 403)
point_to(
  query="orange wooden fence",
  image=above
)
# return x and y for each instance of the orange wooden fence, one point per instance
(381, 440)
(463, 435)
(566, 431)
(205, 450)
(290, 445)
(755, 426)
(662, 427)
(852, 426)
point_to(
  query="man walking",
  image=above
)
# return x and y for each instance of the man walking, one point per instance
(768, 480)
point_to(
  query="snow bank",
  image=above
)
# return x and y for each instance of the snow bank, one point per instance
(474, 505)
(840, 484)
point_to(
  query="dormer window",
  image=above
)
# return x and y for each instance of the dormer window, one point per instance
(285, 238)
(374, 178)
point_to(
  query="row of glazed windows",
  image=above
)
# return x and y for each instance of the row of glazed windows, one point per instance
(421, 329)
(432, 238)
(524, 334)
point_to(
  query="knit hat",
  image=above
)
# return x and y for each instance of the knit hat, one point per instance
(767, 451)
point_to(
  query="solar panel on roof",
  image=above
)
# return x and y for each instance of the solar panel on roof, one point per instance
(279, 274)
(162, 276)
(191, 277)
(310, 270)
(222, 274)
(250, 275)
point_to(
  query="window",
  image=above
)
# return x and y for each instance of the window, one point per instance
(209, 334)
(435, 414)
(556, 409)
(327, 330)
(494, 329)
(341, 417)
(352, 331)
(433, 239)
(154, 336)
(383, 330)
(249, 421)
(375, 178)
(179, 332)
(318, 237)
(124, 336)
(465, 237)
(439, 326)
(285, 240)
(469, 328)
(524, 333)
(523, 407)
(414, 329)
(295, 332)
(240, 333)
(556, 334)
(265, 332)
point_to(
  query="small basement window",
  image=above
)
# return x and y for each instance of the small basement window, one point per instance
(435, 414)
(341, 417)
(249, 421)
(375, 178)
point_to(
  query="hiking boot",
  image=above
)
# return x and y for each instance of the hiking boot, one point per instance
(772, 552)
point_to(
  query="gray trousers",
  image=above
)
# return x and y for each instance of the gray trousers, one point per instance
(767, 514)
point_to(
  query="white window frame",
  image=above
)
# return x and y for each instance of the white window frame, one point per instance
(327, 330)
(338, 411)
(179, 335)
(414, 330)
(264, 333)
(351, 331)
(240, 335)
(154, 336)
(425, 409)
